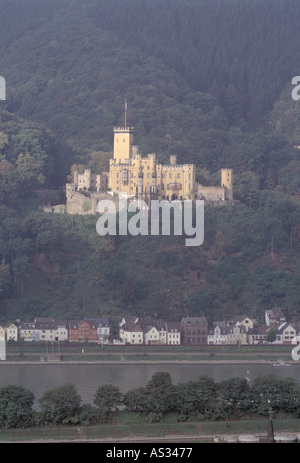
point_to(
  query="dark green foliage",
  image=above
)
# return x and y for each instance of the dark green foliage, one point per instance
(107, 398)
(60, 405)
(199, 399)
(16, 407)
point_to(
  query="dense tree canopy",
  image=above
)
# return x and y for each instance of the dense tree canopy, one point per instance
(196, 400)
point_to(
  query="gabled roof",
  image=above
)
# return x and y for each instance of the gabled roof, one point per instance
(223, 328)
(175, 326)
(284, 326)
(194, 321)
(132, 327)
(275, 313)
(260, 329)
(94, 323)
(240, 318)
(11, 325)
(149, 328)
(130, 319)
(231, 328)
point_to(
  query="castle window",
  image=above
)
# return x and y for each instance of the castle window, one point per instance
(148, 175)
(170, 175)
(178, 175)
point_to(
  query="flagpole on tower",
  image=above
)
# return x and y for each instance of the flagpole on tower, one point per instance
(125, 112)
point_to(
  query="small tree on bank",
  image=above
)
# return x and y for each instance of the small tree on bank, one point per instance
(60, 405)
(107, 398)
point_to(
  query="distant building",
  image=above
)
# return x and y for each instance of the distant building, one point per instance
(217, 333)
(89, 181)
(286, 333)
(89, 330)
(149, 331)
(44, 329)
(131, 332)
(193, 330)
(237, 334)
(258, 334)
(11, 332)
(243, 320)
(173, 333)
(274, 316)
(132, 176)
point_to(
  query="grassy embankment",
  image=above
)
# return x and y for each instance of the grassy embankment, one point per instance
(35, 352)
(127, 426)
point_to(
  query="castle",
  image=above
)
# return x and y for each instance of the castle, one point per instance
(135, 177)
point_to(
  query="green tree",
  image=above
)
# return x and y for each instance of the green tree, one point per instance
(235, 397)
(29, 171)
(197, 398)
(5, 277)
(137, 399)
(271, 335)
(162, 394)
(16, 404)
(265, 392)
(60, 405)
(107, 398)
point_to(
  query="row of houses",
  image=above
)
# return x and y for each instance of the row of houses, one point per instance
(195, 331)
(48, 329)
(147, 330)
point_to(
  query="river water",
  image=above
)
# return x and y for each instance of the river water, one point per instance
(88, 377)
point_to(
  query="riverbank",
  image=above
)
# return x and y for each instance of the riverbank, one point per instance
(131, 429)
(159, 358)
(142, 362)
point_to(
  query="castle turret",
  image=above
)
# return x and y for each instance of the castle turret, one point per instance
(70, 190)
(123, 143)
(227, 182)
(173, 160)
(76, 177)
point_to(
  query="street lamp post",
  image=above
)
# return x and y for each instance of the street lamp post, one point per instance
(270, 438)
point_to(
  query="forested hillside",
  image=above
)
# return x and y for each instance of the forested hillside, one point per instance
(207, 80)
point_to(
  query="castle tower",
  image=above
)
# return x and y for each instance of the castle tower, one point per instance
(123, 142)
(76, 177)
(70, 190)
(173, 159)
(227, 181)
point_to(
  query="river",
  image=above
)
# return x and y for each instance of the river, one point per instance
(88, 377)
